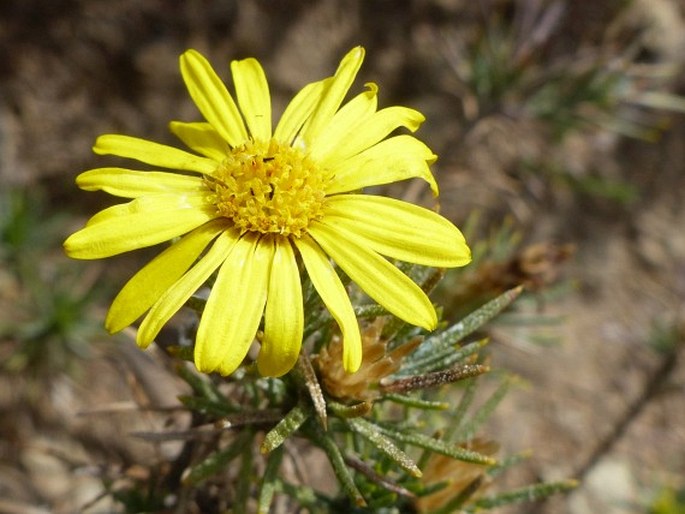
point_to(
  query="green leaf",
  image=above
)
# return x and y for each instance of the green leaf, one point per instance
(305, 496)
(463, 406)
(369, 311)
(371, 433)
(350, 411)
(470, 323)
(417, 403)
(285, 428)
(525, 494)
(342, 473)
(218, 460)
(437, 352)
(507, 462)
(243, 489)
(438, 446)
(205, 406)
(201, 384)
(468, 430)
(269, 481)
(440, 359)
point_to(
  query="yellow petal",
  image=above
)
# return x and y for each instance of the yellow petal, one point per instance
(252, 91)
(155, 202)
(152, 281)
(332, 292)
(397, 229)
(373, 130)
(151, 203)
(132, 184)
(351, 116)
(201, 138)
(234, 308)
(334, 94)
(397, 158)
(146, 221)
(212, 98)
(152, 153)
(382, 281)
(298, 110)
(113, 211)
(284, 314)
(177, 295)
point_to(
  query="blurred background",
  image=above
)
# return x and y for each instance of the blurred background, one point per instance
(561, 139)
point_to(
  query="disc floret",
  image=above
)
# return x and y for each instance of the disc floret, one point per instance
(270, 188)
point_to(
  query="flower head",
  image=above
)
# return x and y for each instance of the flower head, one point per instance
(256, 205)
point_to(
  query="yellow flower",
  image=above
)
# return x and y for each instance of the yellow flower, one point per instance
(257, 205)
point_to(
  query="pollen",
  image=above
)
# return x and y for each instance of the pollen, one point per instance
(270, 188)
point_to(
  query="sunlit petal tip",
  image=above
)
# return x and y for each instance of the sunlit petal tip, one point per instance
(352, 357)
(144, 339)
(432, 322)
(231, 362)
(465, 254)
(431, 158)
(427, 319)
(98, 145)
(351, 63)
(68, 246)
(206, 356)
(356, 54)
(207, 353)
(113, 324)
(432, 184)
(372, 88)
(212, 98)
(187, 53)
(191, 55)
(83, 181)
(248, 62)
(276, 364)
(104, 143)
(335, 91)
(78, 247)
(100, 142)
(206, 364)
(414, 120)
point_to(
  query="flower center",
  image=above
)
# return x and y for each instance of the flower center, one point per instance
(269, 188)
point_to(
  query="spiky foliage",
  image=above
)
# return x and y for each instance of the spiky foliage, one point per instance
(403, 434)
